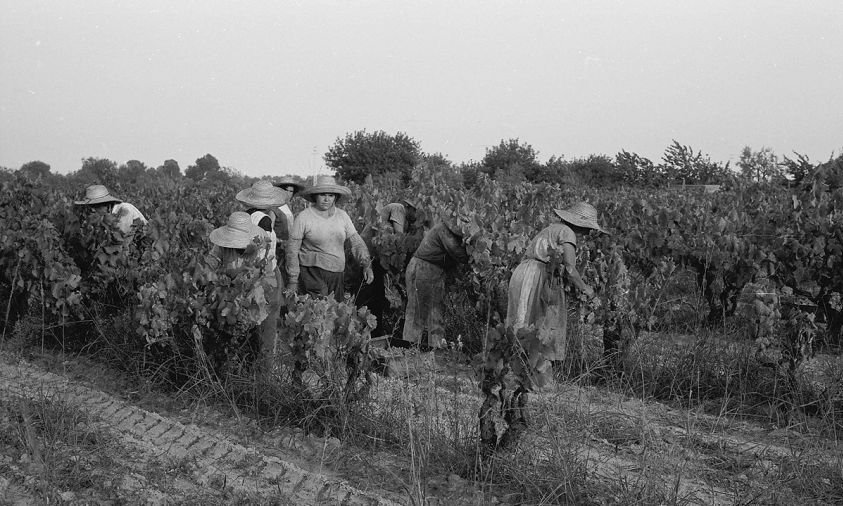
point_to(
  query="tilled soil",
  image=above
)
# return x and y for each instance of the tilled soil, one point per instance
(156, 459)
(646, 452)
(132, 451)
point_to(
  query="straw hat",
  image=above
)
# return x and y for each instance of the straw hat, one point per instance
(411, 202)
(288, 181)
(325, 184)
(239, 232)
(582, 215)
(262, 195)
(96, 194)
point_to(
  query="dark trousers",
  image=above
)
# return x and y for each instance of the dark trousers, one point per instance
(319, 282)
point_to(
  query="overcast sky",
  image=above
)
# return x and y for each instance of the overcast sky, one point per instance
(268, 86)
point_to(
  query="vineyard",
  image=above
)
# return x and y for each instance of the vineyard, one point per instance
(752, 272)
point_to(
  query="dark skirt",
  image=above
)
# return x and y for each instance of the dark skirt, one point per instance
(373, 296)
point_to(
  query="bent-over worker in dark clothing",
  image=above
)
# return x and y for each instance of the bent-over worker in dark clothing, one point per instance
(441, 250)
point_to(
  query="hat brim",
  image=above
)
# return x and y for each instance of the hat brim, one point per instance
(340, 191)
(410, 202)
(98, 200)
(578, 221)
(275, 199)
(229, 238)
(298, 186)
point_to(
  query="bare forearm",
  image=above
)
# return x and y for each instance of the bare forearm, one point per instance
(569, 261)
(292, 248)
(360, 251)
(574, 275)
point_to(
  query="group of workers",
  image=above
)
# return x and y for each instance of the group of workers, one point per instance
(305, 254)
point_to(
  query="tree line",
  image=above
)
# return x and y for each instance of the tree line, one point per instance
(393, 157)
(363, 154)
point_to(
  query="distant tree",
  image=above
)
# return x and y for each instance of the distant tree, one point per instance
(799, 168)
(206, 166)
(443, 169)
(98, 171)
(557, 170)
(760, 165)
(34, 171)
(362, 153)
(229, 175)
(832, 172)
(827, 176)
(170, 169)
(635, 170)
(681, 165)
(6, 175)
(510, 159)
(595, 170)
(436, 159)
(132, 172)
(469, 172)
(513, 174)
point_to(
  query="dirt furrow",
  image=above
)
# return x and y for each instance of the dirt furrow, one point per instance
(220, 461)
(604, 461)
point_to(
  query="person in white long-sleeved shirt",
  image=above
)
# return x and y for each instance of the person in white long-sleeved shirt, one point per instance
(99, 197)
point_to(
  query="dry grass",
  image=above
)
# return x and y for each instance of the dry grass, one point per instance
(51, 450)
(691, 419)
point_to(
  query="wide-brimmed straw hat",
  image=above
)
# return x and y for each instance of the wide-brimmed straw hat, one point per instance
(262, 195)
(325, 184)
(411, 202)
(96, 194)
(288, 181)
(582, 215)
(239, 232)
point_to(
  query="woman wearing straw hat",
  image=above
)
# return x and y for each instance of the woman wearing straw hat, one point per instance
(284, 215)
(232, 242)
(99, 198)
(261, 200)
(536, 296)
(315, 251)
